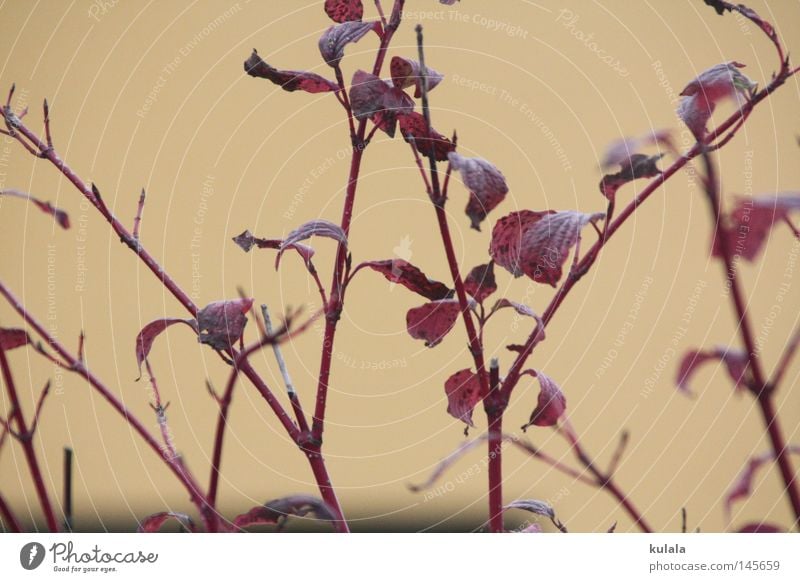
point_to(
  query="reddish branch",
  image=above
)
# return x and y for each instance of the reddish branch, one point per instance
(25, 437)
(760, 388)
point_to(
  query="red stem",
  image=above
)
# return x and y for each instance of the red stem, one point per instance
(76, 366)
(26, 440)
(9, 519)
(761, 389)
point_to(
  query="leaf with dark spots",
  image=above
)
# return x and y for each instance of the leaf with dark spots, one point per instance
(735, 362)
(406, 72)
(344, 10)
(742, 486)
(637, 166)
(537, 244)
(371, 97)
(551, 404)
(760, 527)
(432, 321)
(480, 283)
(463, 390)
(12, 337)
(153, 523)
(305, 231)
(61, 217)
(415, 130)
(749, 225)
(700, 97)
(412, 278)
(149, 333)
(534, 506)
(288, 80)
(486, 184)
(277, 510)
(246, 241)
(337, 37)
(221, 324)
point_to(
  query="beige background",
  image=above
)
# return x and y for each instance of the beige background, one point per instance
(256, 146)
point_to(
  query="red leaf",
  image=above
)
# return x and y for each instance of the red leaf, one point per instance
(432, 321)
(344, 10)
(247, 241)
(551, 405)
(486, 184)
(288, 80)
(304, 231)
(463, 391)
(11, 338)
(149, 333)
(742, 487)
(337, 37)
(750, 222)
(480, 283)
(221, 324)
(735, 361)
(700, 97)
(61, 217)
(760, 527)
(406, 274)
(415, 130)
(636, 166)
(537, 243)
(153, 523)
(406, 73)
(277, 510)
(370, 97)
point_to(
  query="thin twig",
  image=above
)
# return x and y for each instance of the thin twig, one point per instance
(67, 501)
(137, 221)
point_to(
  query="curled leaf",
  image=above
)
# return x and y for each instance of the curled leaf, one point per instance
(247, 241)
(486, 184)
(373, 98)
(742, 486)
(432, 321)
(463, 393)
(221, 324)
(520, 308)
(749, 224)
(636, 166)
(406, 72)
(735, 362)
(344, 10)
(534, 506)
(11, 338)
(305, 231)
(619, 152)
(149, 333)
(415, 130)
(61, 217)
(277, 510)
(480, 283)
(410, 277)
(288, 80)
(337, 37)
(551, 405)
(700, 97)
(153, 523)
(537, 243)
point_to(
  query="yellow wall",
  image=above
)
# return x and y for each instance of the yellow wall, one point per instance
(220, 152)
